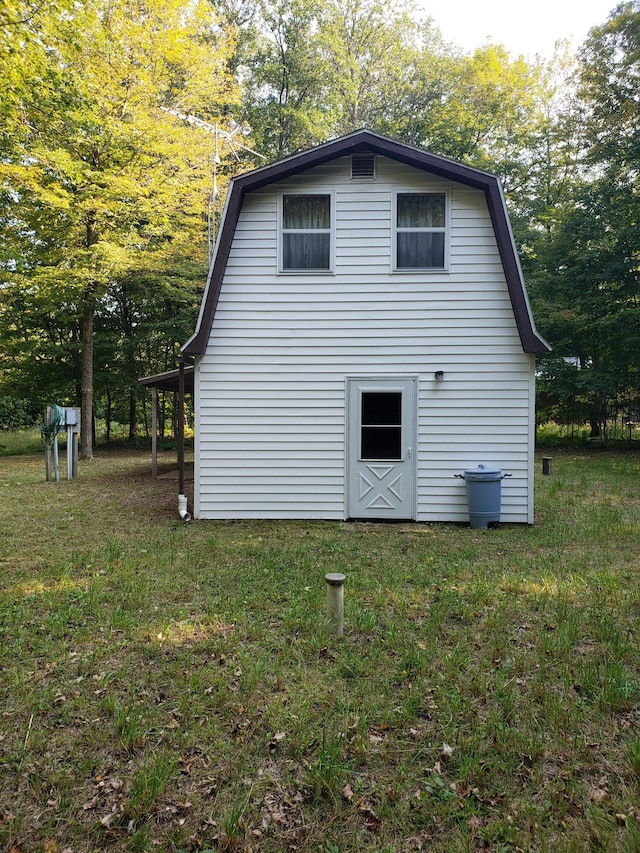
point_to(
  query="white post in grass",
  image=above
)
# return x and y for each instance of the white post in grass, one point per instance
(335, 602)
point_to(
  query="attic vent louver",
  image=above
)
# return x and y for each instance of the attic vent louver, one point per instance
(363, 166)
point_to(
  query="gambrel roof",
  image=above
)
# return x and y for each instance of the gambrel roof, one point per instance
(364, 141)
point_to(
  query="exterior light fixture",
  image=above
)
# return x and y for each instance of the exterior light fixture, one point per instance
(439, 375)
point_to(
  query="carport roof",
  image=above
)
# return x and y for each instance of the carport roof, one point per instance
(168, 381)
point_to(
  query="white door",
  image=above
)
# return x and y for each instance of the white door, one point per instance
(381, 448)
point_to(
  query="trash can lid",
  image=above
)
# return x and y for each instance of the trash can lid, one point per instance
(482, 472)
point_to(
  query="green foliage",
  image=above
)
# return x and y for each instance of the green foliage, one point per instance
(315, 70)
(583, 257)
(17, 414)
(103, 187)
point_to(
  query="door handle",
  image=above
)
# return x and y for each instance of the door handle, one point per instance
(408, 453)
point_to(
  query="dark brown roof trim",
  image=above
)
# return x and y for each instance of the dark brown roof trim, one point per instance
(532, 342)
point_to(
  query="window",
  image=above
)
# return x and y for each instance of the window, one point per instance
(306, 232)
(381, 425)
(421, 227)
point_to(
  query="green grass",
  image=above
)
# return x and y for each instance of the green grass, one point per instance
(174, 687)
(20, 441)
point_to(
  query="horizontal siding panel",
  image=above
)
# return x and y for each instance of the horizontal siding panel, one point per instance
(260, 491)
(381, 233)
(322, 316)
(458, 297)
(404, 332)
(476, 251)
(263, 399)
(294, 434)
(397, 356)
(349, 246)
(315, 446)
(285, 513)
(258, 424)
(250, 242)
(470, 364)
(500, 426)
(422, 325)
(273, 467)
(324, 455)
(252, 262)
(420, 284)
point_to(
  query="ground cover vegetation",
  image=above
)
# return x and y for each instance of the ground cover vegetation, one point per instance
(104, 190)
(169, 686)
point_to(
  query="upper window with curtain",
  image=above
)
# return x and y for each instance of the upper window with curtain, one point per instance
(421, 231)
(306, 232)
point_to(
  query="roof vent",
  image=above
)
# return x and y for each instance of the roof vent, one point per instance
(363, 166)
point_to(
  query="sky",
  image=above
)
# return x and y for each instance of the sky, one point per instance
(529, 28)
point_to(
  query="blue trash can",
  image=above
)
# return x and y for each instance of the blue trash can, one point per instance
(484, 494)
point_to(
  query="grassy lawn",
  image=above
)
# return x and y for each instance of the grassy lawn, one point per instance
(173, 687)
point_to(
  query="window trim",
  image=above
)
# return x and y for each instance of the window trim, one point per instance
(282, 270)
(446, 230)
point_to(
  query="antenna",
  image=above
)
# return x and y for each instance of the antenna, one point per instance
(234, 144)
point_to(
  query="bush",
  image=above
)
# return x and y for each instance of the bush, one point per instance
(16, 414)
(551, 434)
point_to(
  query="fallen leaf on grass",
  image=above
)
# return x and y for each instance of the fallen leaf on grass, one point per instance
(596, 795)
(371, 819)
(474, 823)
(276, 739)
(599, 791)
(347, 792)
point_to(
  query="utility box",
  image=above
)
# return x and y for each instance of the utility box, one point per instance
(72, 417)
(484, 494)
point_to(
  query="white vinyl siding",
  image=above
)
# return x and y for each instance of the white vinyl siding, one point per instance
(270, 388)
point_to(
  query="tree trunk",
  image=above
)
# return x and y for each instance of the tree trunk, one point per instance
(86, 429)
(133, 420)
(107, 417)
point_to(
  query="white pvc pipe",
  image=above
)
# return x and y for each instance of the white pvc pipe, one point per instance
(335, 602)
(182, 508)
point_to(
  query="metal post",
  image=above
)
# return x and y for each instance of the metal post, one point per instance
(48, 462)
(154, 432)
(69, 452)
(76, 437)
(56, 458)
(180, 361)
(546, 465)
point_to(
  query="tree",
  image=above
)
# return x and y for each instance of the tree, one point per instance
(370, 52)
(105, 182)
(283, 76)
(316, 69)
(586, 287)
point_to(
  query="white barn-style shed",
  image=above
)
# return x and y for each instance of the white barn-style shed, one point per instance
(364, 335)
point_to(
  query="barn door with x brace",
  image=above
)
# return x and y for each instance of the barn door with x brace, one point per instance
(381, 448)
